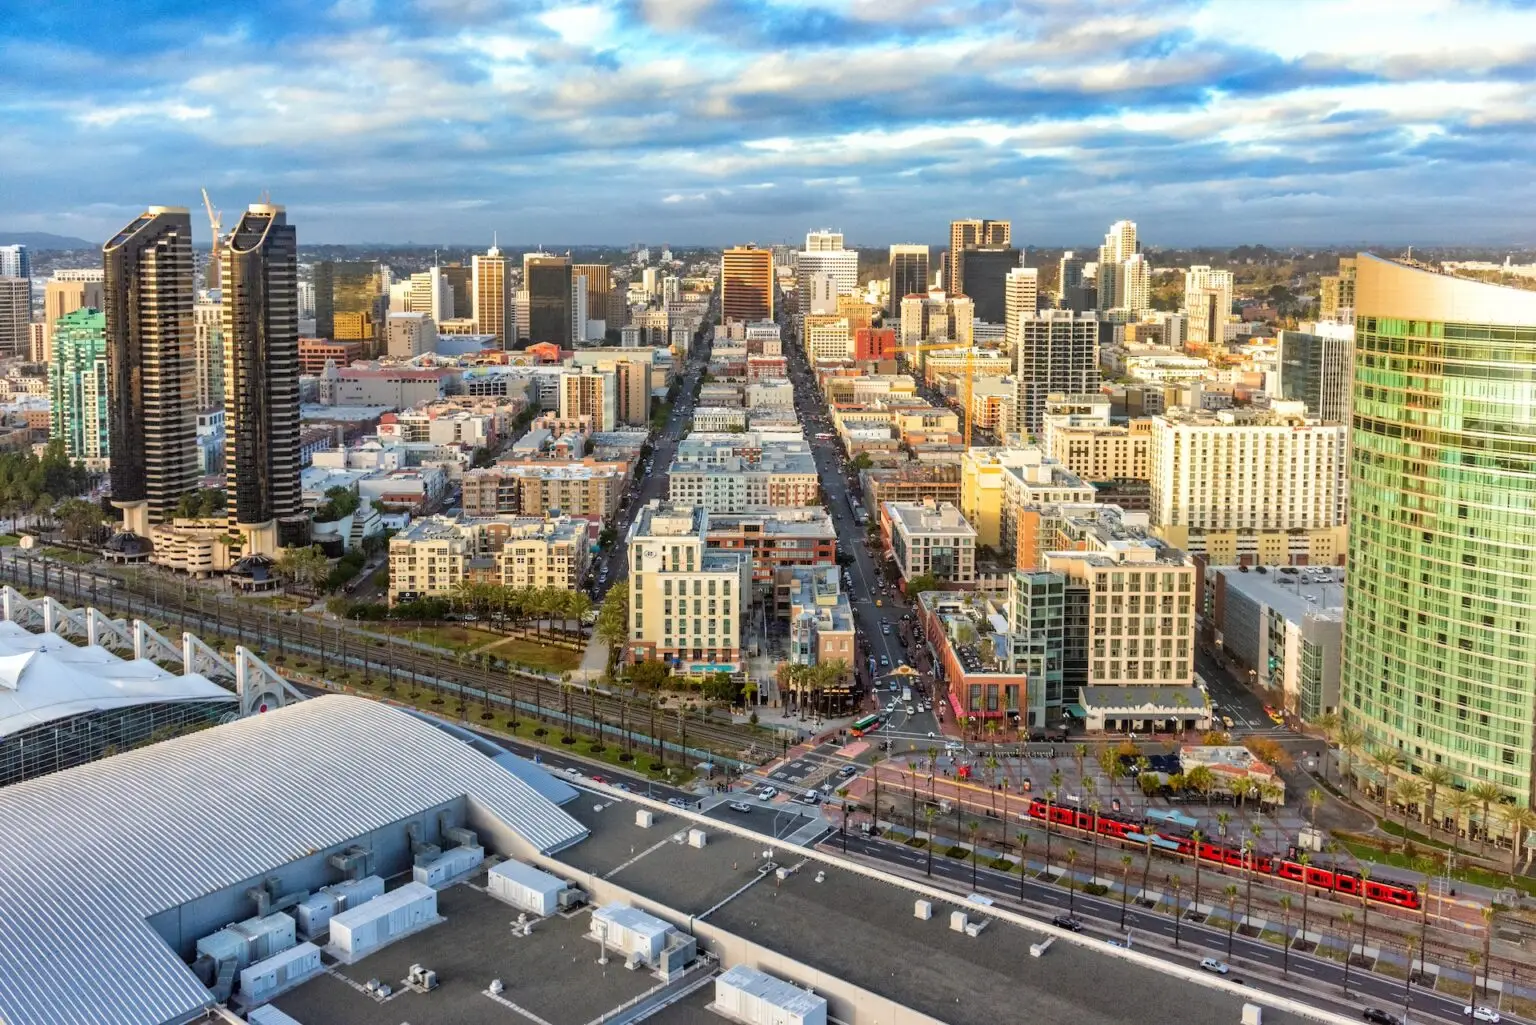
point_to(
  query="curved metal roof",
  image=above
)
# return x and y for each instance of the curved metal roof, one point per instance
(94, 851)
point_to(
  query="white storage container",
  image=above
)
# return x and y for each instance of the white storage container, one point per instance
(525, 887)
(697, 838)
(630, 931)
(266, 979)
(314, 913)
(957, 921)
(757, 998)
(360, 931)
(352, 892)
(448, 866)
(644, 818)
(270, 935)
(269, 1015)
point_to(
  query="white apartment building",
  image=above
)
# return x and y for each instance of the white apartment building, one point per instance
(719, 418)
(411, 334)
(1247, 470)
(827, 339)
(937, 317)
(1021, 298)
(592, 392)
(931, 538)
(770, 393)
(687, 601)
(435, 556)
(1207, 304)
(827, 257)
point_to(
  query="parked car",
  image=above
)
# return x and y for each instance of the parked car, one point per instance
(767, 793)
(1482, 1014)
(740, 806)
(1377, 1016)
(677, 802)
(1067, 922)
(1210, 964)
(848, 770)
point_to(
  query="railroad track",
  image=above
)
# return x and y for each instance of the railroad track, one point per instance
(338, 646)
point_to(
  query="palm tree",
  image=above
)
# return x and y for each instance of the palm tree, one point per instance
(874, 772)
(1407, 791)
(1176, 884)
(1306, 891)
(1473, 960)
(1071, 857)
(1314, 799)
(1125, 885)
(1050, 800)
(1248, 856)
(1231, 894)
(1365, 905)
(1093, 806)
(973, 827)
(1517, 822)
(1197, 838)
(1223, 820)
(1460, 804)
(1285, 908)
(1271, 793)
(1351, 739)
(1080, 752)
(1487, 913)
(1023, 839)
(1435, 777)
(1387, 761)
(1410, 943)
(1484, 794)
(842, 793)
(1425, 865)
(1348, 919)
(1202, 781)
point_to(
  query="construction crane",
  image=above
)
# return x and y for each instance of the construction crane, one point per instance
(970, 372)
(217, 225)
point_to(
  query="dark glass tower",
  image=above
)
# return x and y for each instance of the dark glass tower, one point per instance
(152, 359)
(547, 280)
(986, 280)
(909, 273)
(261, 380)
(350, 300)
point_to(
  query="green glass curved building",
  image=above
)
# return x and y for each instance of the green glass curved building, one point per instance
(1440, 623)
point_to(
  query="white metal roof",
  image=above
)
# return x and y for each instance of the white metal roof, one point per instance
(44, 677)
(93, 851)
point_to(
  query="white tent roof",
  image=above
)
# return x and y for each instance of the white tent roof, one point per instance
(44, 677)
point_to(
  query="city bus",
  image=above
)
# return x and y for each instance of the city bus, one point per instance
(866, 724)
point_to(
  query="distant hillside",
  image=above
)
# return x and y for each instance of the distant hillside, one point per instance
(43, 240)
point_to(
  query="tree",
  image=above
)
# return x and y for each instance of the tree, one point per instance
(1306, 891)
(1347, 919)
(1196, 838)
(1176, 884)
(1231, 894)
(1023, 839)
(720, 687)
(612, 626)
(1202, 781)
(1126, 861)
(921, 583)
(1407, 791)
(302, 567)
(1484, 794)
(80, 519)
(1050, 800)
(1285, 908)
(1351, 740)
(929, 814)
(1434, 777)
(1517, 822)
(973, 827)
(1071, 857)
(1314, 799)
(1460, 804)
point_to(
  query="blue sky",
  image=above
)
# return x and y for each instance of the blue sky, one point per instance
(712, 121)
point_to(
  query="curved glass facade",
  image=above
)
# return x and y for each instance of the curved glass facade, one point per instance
(1440, 628)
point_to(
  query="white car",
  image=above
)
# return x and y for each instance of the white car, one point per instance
(740, 806)
(1482, 1013)
(1210, 964)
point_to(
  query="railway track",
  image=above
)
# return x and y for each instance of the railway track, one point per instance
(336, 645)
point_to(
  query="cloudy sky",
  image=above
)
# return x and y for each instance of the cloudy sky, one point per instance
(711, 121)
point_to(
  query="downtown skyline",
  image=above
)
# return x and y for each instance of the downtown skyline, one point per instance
(707, 122)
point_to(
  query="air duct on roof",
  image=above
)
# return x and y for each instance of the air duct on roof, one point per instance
(353, 862)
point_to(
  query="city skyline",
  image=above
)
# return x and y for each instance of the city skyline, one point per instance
(710, 123)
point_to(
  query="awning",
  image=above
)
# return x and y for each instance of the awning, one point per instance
(1076, 711)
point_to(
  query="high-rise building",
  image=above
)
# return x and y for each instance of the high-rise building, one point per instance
(1124, 279)
(410, 335)
(1073, 286)
(1336, 293)
(824, 255)
(61, 296)
(1021, 299)
(599, 283)
(461, 286)
(592, 392)
(208, 325)
(970, 234)
(1053, 351)
(746, 284)
(986, 280)
(1207, 304)
(15, 262)
(261, 380)
(494, 312)
(909, 273)
(937, 317)
(431, 293)
(547, 280)
(1439, 600)
(78, 385)
(1314, 368)
(351, 299)
(152, 364)
(823, 241)
(15, 317)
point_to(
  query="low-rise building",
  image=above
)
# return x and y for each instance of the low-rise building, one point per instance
(729, 473)
(975, 678)
(688, 600)
(435, 556)
(588, 488)
(391, 386)
(930, 539)
(909, 483)
(770, 393)
(777, 538)
(1284, 625)
(719, 418)
(821, 633)
(415, 490)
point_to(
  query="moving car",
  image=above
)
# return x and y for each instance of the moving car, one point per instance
(677, 802)
(1210, 964)
(767, 793)
(1482, 1014)
(740, 806)
(1377, 1016)
(848, 770)
(1067, 922)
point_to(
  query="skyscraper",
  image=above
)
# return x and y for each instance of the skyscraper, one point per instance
(261, 380)
(1439, 599)
(61, 296)
(909, 273)
(1054, 351)
(493, 311)
(147, 289)
(1336, 293)
(1069, 284)
(1124, 279)
(15, 316)
(1021, 299)
(1314, 368)
(351, 298)
(547, 279)
(461, 287)
(1207, 303)
(15, 262)
(208, 325)
(431, 293)
(970, 234)
(78, 385)
(746, 284)
(986, 280)
(824, 254)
